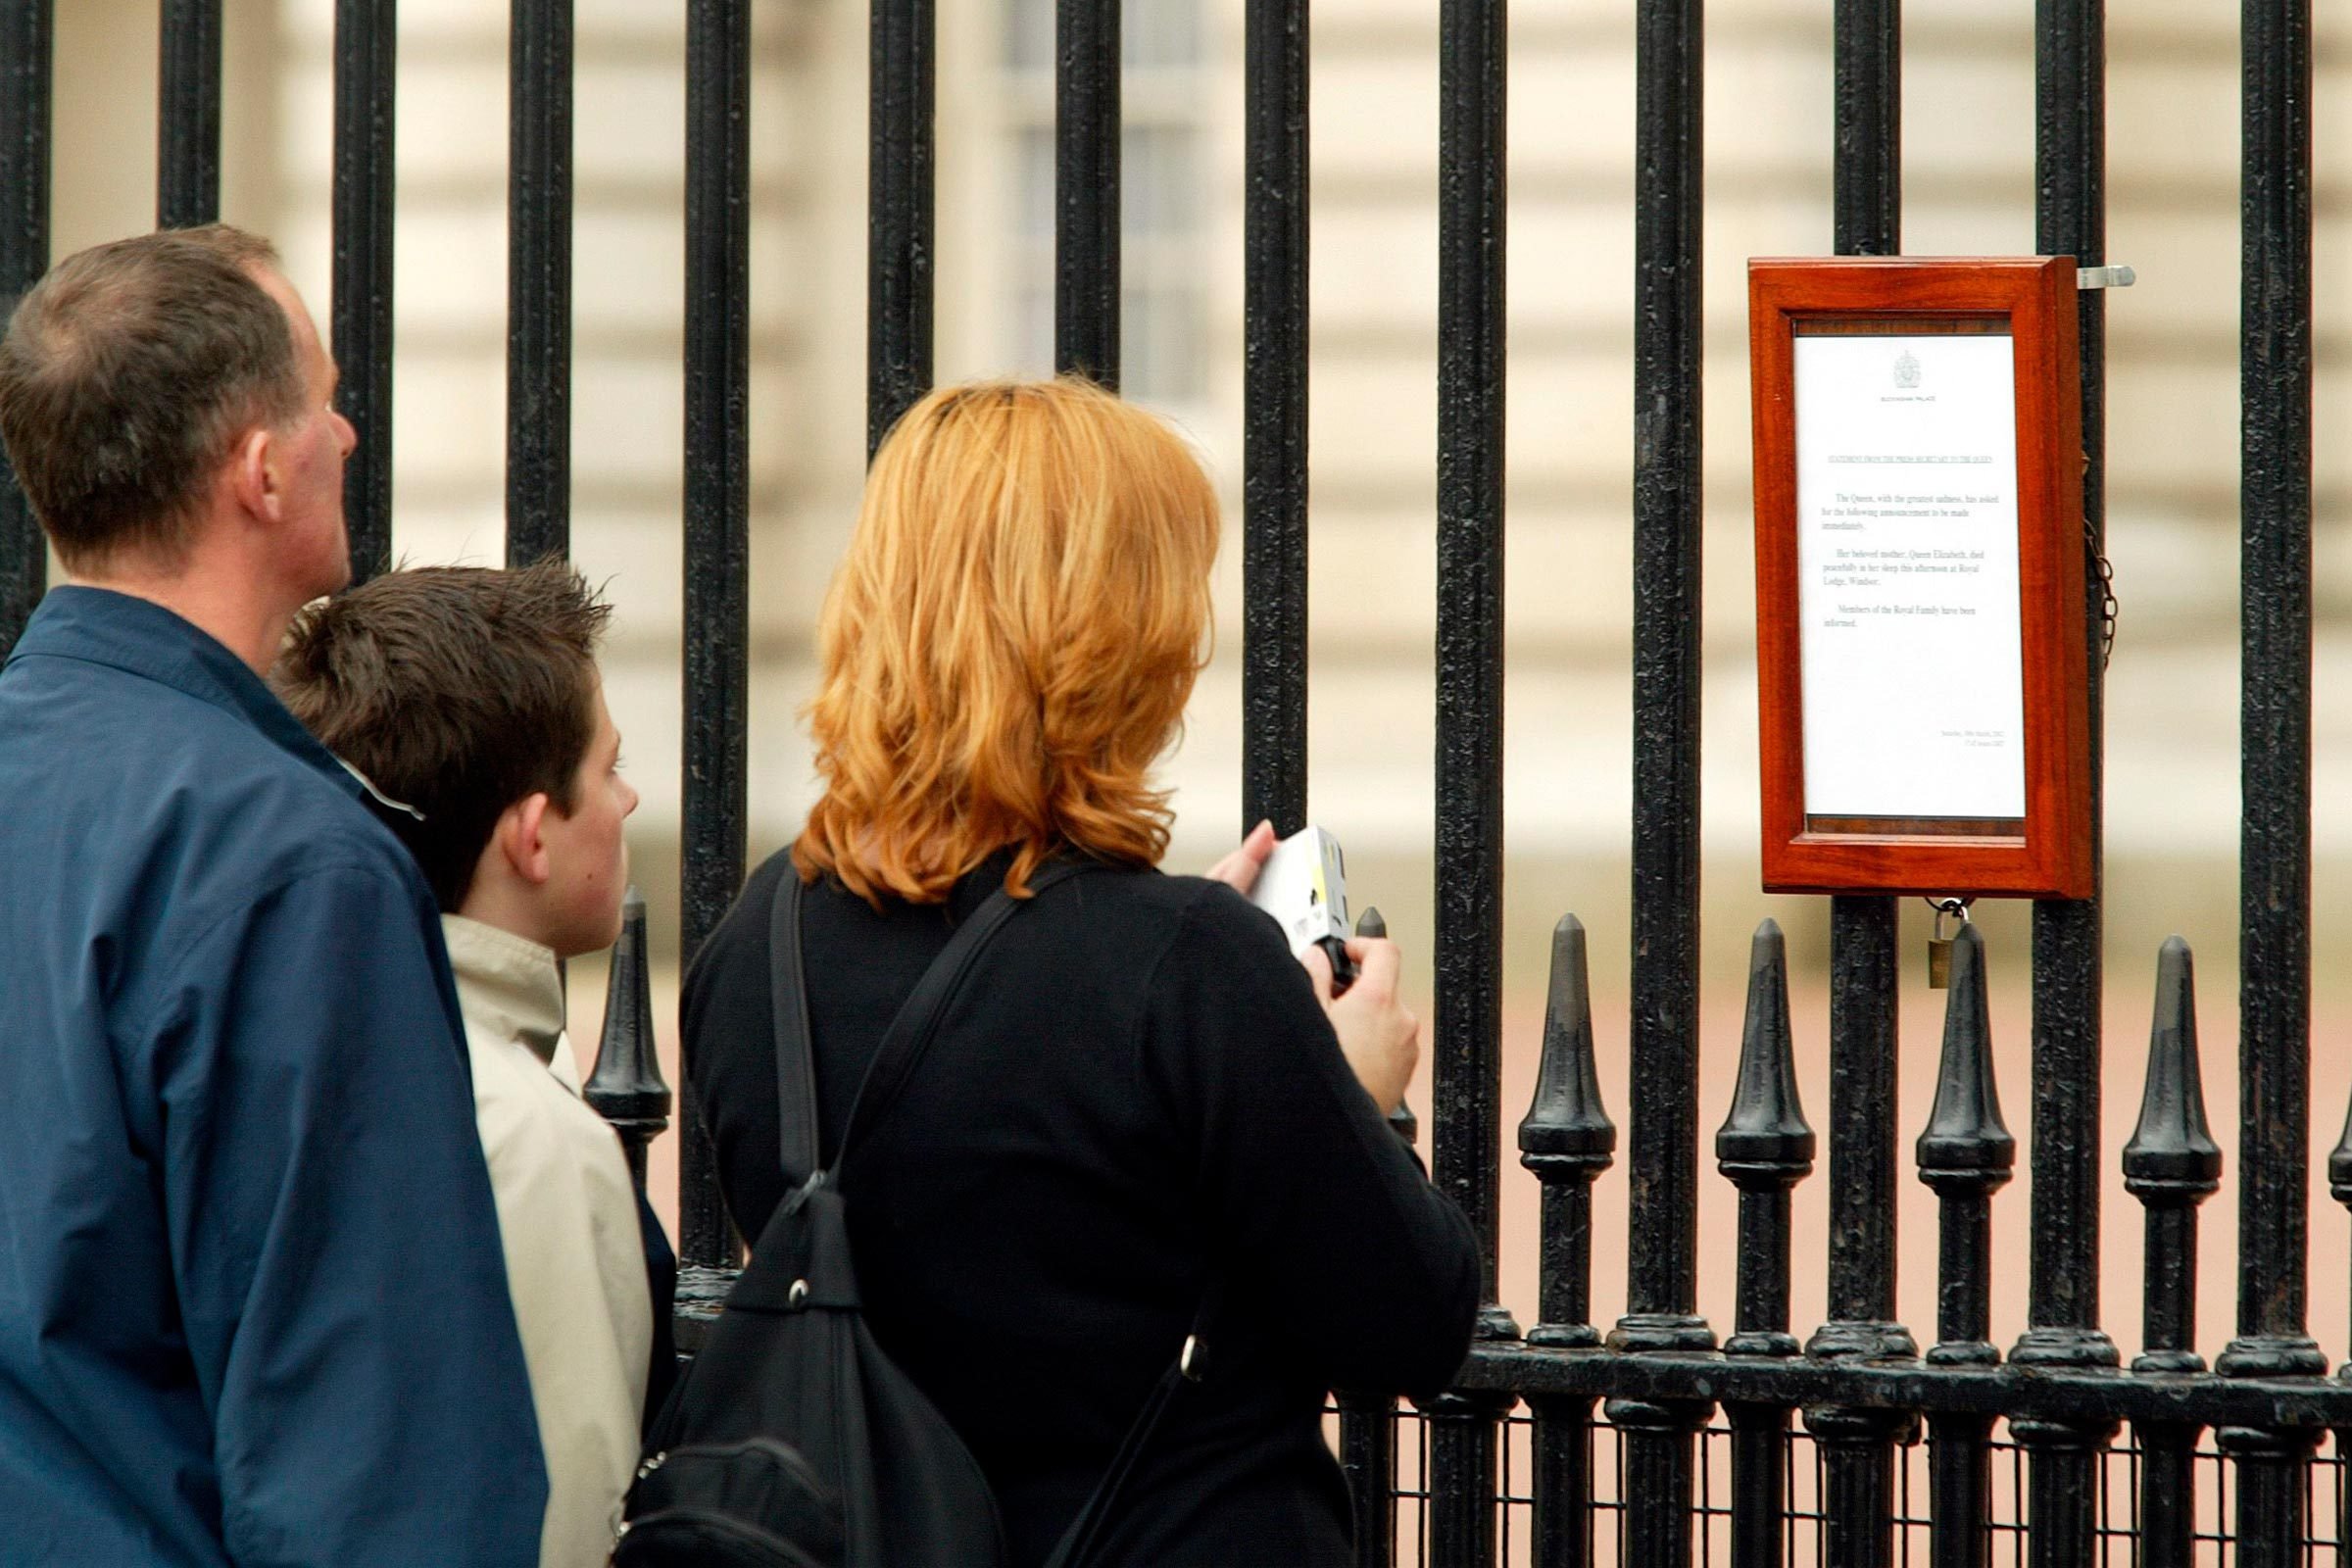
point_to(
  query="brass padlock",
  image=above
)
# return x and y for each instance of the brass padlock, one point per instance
(1939, 943)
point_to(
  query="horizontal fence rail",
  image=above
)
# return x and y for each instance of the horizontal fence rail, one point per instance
(2309, 1405)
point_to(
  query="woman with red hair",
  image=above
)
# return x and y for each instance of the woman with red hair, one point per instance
(1135, 1092)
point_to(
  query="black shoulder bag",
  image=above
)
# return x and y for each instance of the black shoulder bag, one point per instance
(793, 1441)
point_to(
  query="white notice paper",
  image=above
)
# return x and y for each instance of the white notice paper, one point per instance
(1907, 577)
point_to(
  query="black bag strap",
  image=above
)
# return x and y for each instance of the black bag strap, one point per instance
(795, 1059)
(911, 1034)
(904, 1044)
(1078, 1542)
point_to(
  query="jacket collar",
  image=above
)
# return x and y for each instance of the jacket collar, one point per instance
(509, 988)
(121, 631)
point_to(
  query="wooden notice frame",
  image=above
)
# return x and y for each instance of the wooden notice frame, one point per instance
(1950, 751)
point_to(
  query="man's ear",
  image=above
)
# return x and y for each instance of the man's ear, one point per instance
(518, 838)
(253, 475)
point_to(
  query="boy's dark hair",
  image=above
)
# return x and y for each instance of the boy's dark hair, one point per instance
(456, 689)
(127, 371)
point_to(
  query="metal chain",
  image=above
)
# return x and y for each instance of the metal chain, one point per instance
(2109, 609)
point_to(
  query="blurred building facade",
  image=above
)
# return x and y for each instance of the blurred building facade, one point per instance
(2173, 152)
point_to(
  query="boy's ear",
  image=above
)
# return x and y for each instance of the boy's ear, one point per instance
(518, 838)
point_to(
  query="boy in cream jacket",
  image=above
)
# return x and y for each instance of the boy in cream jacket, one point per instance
(469, 698)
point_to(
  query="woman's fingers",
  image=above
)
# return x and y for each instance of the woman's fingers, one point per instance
(1377, 961)
(1318, 974)
(1239, 870)
(1378, 1033)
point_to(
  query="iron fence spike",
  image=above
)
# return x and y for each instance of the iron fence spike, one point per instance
(2172, 1155)
(1766, 1138)
(626, 1086)
(1966, 1142)
(2339, 1164)
(2339, 1159)
(1566, 1124)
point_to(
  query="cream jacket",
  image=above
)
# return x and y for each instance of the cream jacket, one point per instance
(567, 1216)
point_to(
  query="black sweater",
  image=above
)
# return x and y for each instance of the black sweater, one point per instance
(1137, 1084)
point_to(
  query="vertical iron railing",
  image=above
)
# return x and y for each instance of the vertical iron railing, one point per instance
(1566, 1139)
(2172, 1164)
(1368, 1462)
(717, 525)
(27, 35)
(1858, 1445)
(367, 34)
(1274, 564)
(1086, 189)
(1764, 1148)
(188, 121)
(1661, 1160)
(1274, 334)
(903, 93)
(539, 280)
(1966, 1154)
(1467, 947)
(2275, 387)
(1662, 1143)
(2063, 1287)
(2270, 1387)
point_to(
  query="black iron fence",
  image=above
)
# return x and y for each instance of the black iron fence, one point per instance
(1651, 1443)
(2121, 1530)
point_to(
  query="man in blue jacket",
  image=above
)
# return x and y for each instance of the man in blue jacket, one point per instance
(252, 1304)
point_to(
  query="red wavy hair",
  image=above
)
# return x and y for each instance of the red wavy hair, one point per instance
(1009, 643)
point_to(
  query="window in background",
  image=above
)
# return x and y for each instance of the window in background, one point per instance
(1162, 307)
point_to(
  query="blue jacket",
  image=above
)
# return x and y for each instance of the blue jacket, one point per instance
(252, 1304)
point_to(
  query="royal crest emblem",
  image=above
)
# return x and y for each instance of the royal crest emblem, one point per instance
(1907, 370)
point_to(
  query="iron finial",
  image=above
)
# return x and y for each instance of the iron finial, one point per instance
(1566, 1128)
(2172, 1156)
(626, 1088)
(1966, 1144)
(1765, 1141)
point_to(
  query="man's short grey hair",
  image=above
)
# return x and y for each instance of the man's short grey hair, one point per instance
(126, 375)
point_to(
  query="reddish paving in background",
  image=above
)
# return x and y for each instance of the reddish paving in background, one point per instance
(1922, 1024)
(2330, 1271)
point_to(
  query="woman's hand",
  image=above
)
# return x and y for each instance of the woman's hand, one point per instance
(1239, 871)
(1378, 1034)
